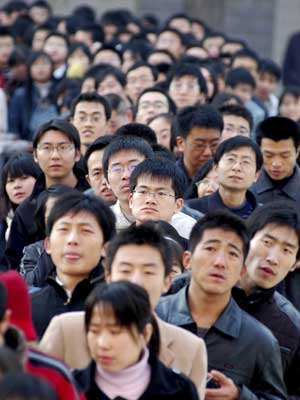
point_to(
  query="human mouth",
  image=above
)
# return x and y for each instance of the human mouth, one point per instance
(105, 360)
(149, 210)
(276, 174)
(267, 271)
(72, 256)
(217, 276)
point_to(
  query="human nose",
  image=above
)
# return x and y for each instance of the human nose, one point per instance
(207, 151)
(73, 237)
(151, 197)
(276, 162)
(17, 183)
(273, 255)
(236, 166)
(103, 340)
(220, 260)
(137, 279)
(55, 152)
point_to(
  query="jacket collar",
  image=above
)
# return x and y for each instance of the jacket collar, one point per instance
(258, 296)
(166, 342)
(216, 198)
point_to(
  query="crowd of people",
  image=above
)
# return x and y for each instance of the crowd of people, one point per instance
(149, 210)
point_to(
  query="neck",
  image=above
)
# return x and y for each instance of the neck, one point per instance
(124, 205)
(232, 198)
(189, 168)
(69, 180)
(70, 282)
(206, 308)
(247, 284)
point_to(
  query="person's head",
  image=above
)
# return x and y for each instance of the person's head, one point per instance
(39, 36)
(237, 121)
(139, 130)
(157, 57)
(39, 67)
(108, 55)
(18, 177)
(56, 45)
(118, 332)
(90, 114)
(89, 33)
(139, 77)
(161, 125)
(248, 59)
(204, 181)
(111, 80)
(240, 82)
(238, 161)
(120, 158)
(197, 51)
(7, 44)
(269, 74)
(142, 255)
(274, 244)
(289, 103)
(279, 139)
(56, 147)
(79, 58)
(152, 102)
(213, 42)
(224, 99)
(121, 112)
(172, 40)
(95, 176)
(78, 227)
(218, 247)
(210, 77)
(157, 186)
(181, 22)
(40, 11)
(198, 131)
(187, 86)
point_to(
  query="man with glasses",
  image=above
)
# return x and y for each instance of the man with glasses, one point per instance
(56, 150)
(139, 77)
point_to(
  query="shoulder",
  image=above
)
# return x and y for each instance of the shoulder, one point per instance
(287, 308)
(73, 321)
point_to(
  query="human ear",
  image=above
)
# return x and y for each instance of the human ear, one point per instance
(47, 245)
(178, 205)
(186, 260)
(180, 143)
(148, 331)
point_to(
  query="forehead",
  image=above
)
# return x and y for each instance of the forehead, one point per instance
(91, 106)
(138, 255)
(169, 35)
(153, 96)
(79, 218)
(95, 158)
(244, 151)
(55, 39)
(236, 120)
(280, 232)
(126, 155)
(185, 78)
(202, 133)
(154, 182)
(140, 71)
(223, 237)
(280, 146)
(54, 136)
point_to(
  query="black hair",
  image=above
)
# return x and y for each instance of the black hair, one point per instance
(278, 128)
(60, 35)
(76, 202)
(139, 130)
(173, 30)
(162, 152)
(140, 64)
(99, 144)
(201, 173)
(149, 233)
(224, 220)
(183, 69)
(139, 48)
(24, 386)
(224, 98)
(168, 117)
(171, 104)
(3, 300)
(237, 142)
(160, 168)
(67, 87)
(238, 111)
(41, 4)
(133, 311)
(246, 53)
(278, 213)
(110, 48)
(117, 103)
(61, 125)
(79, 45)
(270, 67)
(92, 97)
(293, 91)
(96, 31)
(204, 116)
(125, 142)
(238, 76)
(9, 360)
(86, 13)
(6, 31)
(108, 70)
(14, 5)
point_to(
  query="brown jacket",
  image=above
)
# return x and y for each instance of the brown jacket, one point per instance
(65, 338)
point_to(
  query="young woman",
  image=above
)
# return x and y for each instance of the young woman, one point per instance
(204, 182)
(289, 103)
(123, 340)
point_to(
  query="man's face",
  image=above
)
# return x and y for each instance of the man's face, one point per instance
(162, 129)
(200, 146)
(90, 120)
(169, 41)
(75, 244)
(217, 261)
(138, 80)
(290, 107)
(84, 37)
(151, 104)
(234, 126)
(57, 49)
(107, 57)
(142, 265)
(236, 169)
(213, 45)
(110, 85)
(183, 25)
(243, 91)
(185, 91)
(96, 177)
(279, 157)
(56, 155)
(266, 85)
(6, 48)
(39, 14)
(153, 199)
(248, 63)
(120, 167)
(39, 39)
(272, 255)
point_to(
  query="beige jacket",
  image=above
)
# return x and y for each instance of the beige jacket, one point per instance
(65, 338)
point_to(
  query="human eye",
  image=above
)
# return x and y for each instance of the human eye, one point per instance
(267, 241)
(63, 147)
(161, 194)
(142, 192)
(234, 254)
(116, 169)
(131, 167)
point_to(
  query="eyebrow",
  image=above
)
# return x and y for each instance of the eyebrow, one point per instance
(236, 155)
(216, 241)
(129, 264)
(119, 162)
(148, 187)
(269, 236)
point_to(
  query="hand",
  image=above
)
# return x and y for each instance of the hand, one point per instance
(227, 390)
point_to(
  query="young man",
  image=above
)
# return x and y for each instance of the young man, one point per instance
(237, 121)
(274, 250)
(56, 147)
(140, 255)
(120, 158)
(278, 139)
(121, 113)
(238, 161)
(77, 229)
(157, 186)
(57, 45)
(198, 131)
(172, 40)
(90, 114)
(95, 176)
(139, 77)
(187, 86)
(243, 356)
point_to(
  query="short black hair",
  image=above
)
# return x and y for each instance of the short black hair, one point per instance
(238, 111)
(61, 125)
(183, 69)
(125, 142)
(224, 220)
(140, 64)
(246, 53)
(96, 31)
(92, 97)
(110, 48)
(173, 30)
(76, 202)
(117, 103)
(270, 67)
(146, 234)
(99, 144)
(110, 70)
(160, 168)
(79, 45)
(6, 31)
(278, 213)
(237, 142)
(204, 116)
(238, 76)
(162, 152)
(172, 105)
(224, 98)
(139, 130)
(59, 34)
(278, 128)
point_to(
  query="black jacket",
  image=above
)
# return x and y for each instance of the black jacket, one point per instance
(24, 230)
(281, 317)
(165, 384)
(214, 202)
(237, 345)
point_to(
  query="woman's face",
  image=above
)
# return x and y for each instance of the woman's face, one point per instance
(290, 107)
(208, 185)
(112, 346)
(209, 82)
(41, 70)
(88, 85)
(162, 129)
(18, 189)
(80, 59)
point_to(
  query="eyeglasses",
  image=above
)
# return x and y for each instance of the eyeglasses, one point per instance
(85, 118)
(143, 193)
(63, 148)
(119, 169)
